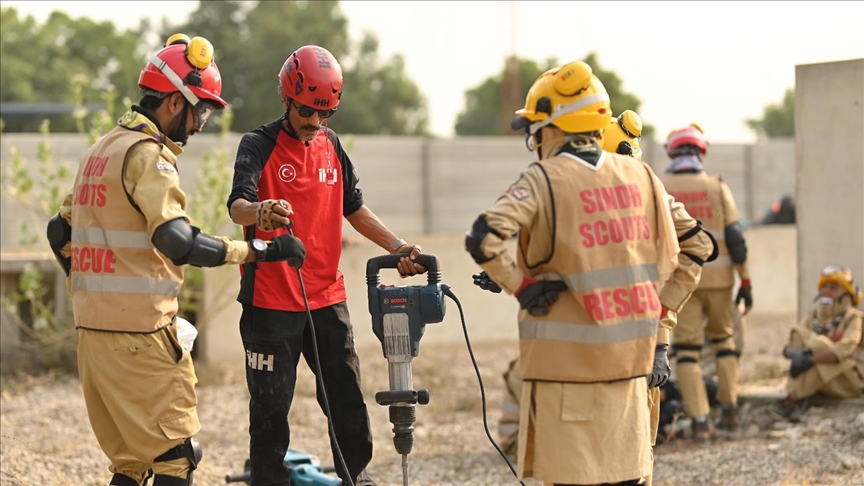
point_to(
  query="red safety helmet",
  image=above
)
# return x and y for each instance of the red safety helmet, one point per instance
(689, 135)
(312, 77)
(186, 66)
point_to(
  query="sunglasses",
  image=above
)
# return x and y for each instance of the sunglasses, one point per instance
(307, 111)
(201, 113)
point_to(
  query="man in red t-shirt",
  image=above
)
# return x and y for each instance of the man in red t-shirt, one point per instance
(295, 170)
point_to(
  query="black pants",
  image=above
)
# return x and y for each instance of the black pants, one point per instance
(274, 341)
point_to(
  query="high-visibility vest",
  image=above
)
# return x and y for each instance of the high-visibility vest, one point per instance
(702, 196)
(119, 281)
(604, 238)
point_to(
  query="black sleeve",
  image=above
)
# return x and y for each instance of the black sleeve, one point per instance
(352, 196)
(247, 168)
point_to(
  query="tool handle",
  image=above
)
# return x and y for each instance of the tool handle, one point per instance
(390, 261)
(244, 477)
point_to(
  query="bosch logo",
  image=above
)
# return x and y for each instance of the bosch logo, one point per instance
(386, 301)
(399, 300)
(287, 173)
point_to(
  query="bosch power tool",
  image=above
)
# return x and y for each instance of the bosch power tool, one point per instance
(305, 471)
(399, 318)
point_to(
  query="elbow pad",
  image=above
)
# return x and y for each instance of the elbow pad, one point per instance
(60, 233)
(187, 245)
(735, 243)
(715, 250)
(474, 239)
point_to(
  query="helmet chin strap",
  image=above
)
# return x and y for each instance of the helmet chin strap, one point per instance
(179, 134)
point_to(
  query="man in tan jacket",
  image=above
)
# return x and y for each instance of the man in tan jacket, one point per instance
(123, 238)
(826, 349)
(709, 200)
(596, 238)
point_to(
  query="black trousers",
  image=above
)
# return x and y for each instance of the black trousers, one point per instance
(274, 341)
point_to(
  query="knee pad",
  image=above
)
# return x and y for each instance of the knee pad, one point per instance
(190, 450)
(687, 353)
(123, 480)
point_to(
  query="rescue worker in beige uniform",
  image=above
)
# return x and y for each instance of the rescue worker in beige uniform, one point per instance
(595, 239)
(709, 200)
(123, 238)
(826, 349)
(624, 136)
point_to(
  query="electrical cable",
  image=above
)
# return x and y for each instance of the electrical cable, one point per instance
(320, 377)
(449, 293)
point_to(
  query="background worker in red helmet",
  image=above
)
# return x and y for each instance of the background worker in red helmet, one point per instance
(709, 200)
(588, 291)
(826, 349)
(295, 169)
(123, 237)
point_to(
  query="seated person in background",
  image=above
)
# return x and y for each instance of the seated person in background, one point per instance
(826, 347)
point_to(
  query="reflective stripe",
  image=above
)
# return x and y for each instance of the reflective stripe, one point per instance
(588, 333)
(570, 108)
(610, 277)
(723, 261)
(125, 285)
(119, 239)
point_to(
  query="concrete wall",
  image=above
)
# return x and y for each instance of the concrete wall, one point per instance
(421, 186)
(430, 191)
(829, 127)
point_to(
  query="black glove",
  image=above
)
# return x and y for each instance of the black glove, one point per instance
(539, 295)
(745, 293)
(484, 282)
(660, 374)
(286, 248)
(802, 360)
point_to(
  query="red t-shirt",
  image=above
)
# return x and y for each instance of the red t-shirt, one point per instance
(319, 181)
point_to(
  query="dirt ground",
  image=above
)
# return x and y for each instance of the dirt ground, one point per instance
(46, 439)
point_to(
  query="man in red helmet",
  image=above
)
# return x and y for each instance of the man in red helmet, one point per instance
(123, 238)
(708, 199)
(295, 167)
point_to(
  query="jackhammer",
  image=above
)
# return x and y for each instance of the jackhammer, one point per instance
(399, 318)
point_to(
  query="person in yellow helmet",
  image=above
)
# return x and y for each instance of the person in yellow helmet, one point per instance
(624, 136)
(588, 292)
(124, 238)
(826, 349)
(708, 198)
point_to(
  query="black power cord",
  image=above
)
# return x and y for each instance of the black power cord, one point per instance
(449, 293)
(320, 378)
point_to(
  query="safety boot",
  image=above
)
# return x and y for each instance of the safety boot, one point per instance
(702, 430)
(729, 419)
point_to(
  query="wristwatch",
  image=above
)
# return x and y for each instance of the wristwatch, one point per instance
(260, 247)
(397, 244)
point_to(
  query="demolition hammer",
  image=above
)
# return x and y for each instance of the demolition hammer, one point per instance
(399, 318)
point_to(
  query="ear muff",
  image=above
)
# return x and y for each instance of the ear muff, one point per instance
(199, 52)
(573, 78)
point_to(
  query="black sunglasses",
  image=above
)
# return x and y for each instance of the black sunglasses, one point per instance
(307, 111)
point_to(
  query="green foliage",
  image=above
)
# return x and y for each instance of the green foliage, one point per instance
(490, 105)
(778, 120)
(40, 62)
(252, 41)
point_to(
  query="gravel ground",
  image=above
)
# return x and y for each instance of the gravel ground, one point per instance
(46, 438)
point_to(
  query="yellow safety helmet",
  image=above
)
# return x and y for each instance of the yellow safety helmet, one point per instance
(624, 135)
(842, 276)
(569, 97)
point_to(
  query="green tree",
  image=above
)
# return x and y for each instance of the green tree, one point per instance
(252, 41)
(778, 120)
(41, 63)
(490, 105)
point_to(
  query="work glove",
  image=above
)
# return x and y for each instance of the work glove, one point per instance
(802, 360)
(286, 248)
(745, 293)
(484, 282)
(538, 295)
(270, 208)
(660, 374)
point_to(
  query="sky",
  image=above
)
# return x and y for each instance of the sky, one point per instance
(716, 63)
